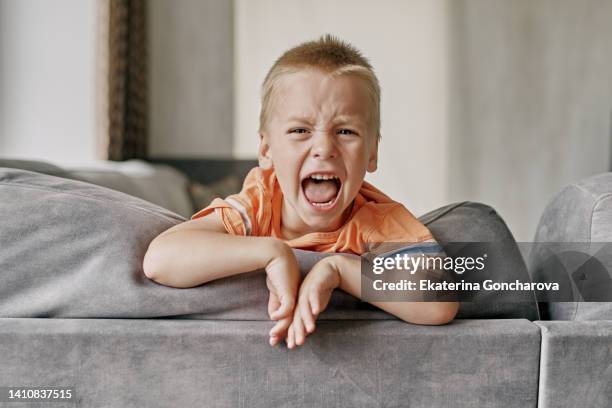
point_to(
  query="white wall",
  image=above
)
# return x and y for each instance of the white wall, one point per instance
(47, 79)
(524, 111)
(531, 102)
(191, 78)
(406, 43)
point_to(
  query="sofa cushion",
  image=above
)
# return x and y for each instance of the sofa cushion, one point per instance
(468, 229)
(37, 166)
(73, 249)
(576, 221)
(157, 183)
(365, 364)
(575, 364)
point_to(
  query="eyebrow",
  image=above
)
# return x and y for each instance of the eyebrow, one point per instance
(336, 121)
(297, 119)
(349, 118)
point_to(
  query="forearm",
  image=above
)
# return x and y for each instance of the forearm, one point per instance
(430, 313)
(189, 258)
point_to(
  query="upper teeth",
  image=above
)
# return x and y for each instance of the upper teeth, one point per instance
(323, 177)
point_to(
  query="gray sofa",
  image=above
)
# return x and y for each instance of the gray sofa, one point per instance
(76, 310)
(576, 349)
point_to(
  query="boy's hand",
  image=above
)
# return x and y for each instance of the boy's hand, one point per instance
(314, 296)
(283, 278)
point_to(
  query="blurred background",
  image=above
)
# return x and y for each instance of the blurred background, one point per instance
(498, 101)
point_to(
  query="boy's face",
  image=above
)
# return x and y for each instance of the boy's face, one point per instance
(320, 141)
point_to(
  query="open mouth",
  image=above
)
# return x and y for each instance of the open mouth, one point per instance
(321, 189)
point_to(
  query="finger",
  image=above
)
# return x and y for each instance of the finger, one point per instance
(269, 284)
(280, 328)
(290, 338)
(287, 303)
(315, 305)
(324, 299)
(273, 304)
(274, 340)
(298, 330)
(307, 316)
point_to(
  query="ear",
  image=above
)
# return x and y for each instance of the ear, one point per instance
(373, 159)
(264, 154)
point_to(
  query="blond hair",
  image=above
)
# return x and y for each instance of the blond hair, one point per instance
(331, 55)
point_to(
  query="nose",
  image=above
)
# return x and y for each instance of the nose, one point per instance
(323, 146)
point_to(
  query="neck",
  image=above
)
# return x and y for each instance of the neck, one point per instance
(292, 226)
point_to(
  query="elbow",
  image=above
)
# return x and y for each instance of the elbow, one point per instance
(433, 313)
(156, 267)
(442, 313)
(151, 264)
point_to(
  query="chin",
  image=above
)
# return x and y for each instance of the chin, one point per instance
(326, 222)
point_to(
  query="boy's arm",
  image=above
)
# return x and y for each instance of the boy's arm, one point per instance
(200, 250)
(430, 313)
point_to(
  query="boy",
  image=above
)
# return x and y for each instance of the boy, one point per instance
(319, 133)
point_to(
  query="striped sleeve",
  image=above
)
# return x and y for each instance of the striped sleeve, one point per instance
(232, 214)
(238, 212)
(429, 247)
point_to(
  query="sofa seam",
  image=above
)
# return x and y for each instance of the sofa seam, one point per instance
(543, 333)
(127, 205)
(598, 202)
(452, 207)
(598, 199)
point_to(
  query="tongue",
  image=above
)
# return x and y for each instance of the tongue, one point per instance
(320, 191)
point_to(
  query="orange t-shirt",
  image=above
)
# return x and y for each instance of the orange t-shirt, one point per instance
(375, 218)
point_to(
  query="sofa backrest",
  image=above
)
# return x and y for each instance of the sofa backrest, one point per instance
(573, 244)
